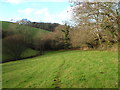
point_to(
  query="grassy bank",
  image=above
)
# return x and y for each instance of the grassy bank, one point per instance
(64, 69)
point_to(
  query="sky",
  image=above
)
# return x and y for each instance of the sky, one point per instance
(54, 11)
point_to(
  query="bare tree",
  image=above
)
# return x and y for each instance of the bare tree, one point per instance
(97, 17)
(14, 46)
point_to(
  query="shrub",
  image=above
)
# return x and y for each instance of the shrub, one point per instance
(38, 43)
(14, 46)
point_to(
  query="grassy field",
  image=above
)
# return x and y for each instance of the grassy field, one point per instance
(27, 53)
(64, 69)
(8, 26)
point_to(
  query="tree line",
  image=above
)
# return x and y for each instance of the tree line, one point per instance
(97, 23)
(41, 25)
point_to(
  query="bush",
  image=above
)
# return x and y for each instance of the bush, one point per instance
(14, 46)
(80, 38)
(38, 43)
(49, 41)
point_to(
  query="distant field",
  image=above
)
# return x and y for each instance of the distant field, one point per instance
(8, 26)
(64, 69)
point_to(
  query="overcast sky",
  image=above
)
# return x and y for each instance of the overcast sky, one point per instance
(35, 10)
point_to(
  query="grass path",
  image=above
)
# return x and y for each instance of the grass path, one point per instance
(64, 69)
(57, 80)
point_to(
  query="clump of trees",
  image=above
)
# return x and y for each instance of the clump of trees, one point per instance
(96, 23)
(14, 46)
(66, 32)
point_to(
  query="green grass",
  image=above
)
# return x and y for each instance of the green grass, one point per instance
(27, 53)
(14, 28)
(64, 69)
(9, 25)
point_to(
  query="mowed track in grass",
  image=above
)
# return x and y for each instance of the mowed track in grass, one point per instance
(64, 69)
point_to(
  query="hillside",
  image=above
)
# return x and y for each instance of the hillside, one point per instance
(9, 26)
(64, 69)
(12, 32)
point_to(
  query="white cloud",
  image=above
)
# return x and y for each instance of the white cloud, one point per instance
(65, 15)
(50, 0)
(14, 1)
(45, 16)
(26, 11)
(41, 11)
(21, 1)
(12, 19)
(42, 14)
